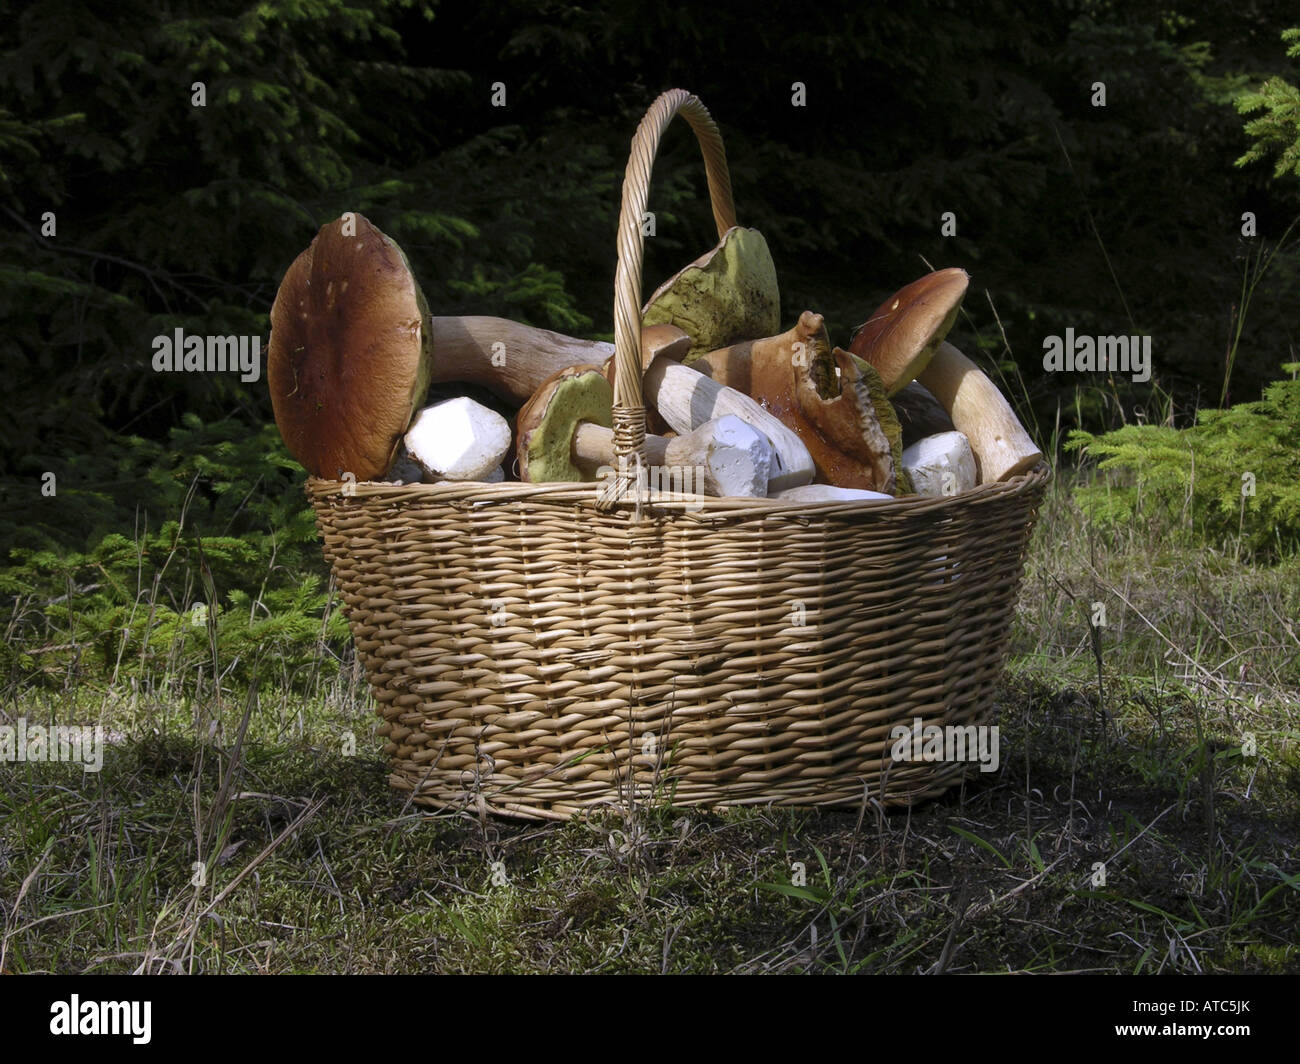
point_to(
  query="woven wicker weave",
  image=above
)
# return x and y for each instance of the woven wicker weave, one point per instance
(540, 649)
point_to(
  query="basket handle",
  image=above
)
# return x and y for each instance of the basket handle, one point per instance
(629, 402)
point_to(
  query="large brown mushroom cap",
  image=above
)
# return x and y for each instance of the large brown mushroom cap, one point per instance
(901, 337)
(347, 361)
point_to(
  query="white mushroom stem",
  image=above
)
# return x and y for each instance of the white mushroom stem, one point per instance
(593, 446)
(978, 410)
(732, 457)
(509, 359)
(458, 439)
(827, 493)
(687, 399)
(941, 465)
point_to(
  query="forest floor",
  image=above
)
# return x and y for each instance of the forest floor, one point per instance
(1151, 826)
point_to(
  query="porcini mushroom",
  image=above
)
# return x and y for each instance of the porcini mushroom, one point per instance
(979, 411)
(901, 337)
(353, 350)
(686, 399)
(565, 434)
(724, 456)
(346, 361)
(549, 421)
(727, 295)
(824, 396)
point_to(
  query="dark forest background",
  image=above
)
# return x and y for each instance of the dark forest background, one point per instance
(161, 574)
(1125, 218)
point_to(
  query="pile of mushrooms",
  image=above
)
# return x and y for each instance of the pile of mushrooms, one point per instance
(354, 351)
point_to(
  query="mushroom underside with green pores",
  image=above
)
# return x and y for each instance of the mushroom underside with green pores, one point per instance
(727, 295)
(548, 422)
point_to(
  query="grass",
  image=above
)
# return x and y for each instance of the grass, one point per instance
(1130, 829)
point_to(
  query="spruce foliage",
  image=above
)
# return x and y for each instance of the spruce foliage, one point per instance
(1232, 479)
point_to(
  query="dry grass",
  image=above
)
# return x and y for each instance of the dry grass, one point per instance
(1121, 752)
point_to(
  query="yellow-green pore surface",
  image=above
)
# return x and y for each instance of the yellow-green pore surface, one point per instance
(888, 419)
(584, 397)
(727, 297)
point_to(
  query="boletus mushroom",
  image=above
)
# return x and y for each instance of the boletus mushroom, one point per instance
(981, 413)
(549, 421)
(727, 295)
(836, 407)
(901, 337)
(564, 435)
(346, 362)
(353, 350)
(686, 399)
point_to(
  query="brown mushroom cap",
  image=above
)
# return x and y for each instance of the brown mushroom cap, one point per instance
(901, 337)
(919, 413)
(656, 340)
(347, 360)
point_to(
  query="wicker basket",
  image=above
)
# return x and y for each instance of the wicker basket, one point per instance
(540, 649)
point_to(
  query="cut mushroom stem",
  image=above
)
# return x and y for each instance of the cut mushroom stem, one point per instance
(941, 465)
(829, 493)
(687, 399)
(724, 456)
(979, 411)
(458, 439)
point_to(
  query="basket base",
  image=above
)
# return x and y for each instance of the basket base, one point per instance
(533, 655)
(924, 784)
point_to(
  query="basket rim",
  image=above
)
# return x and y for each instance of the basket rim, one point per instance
(594, 495)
